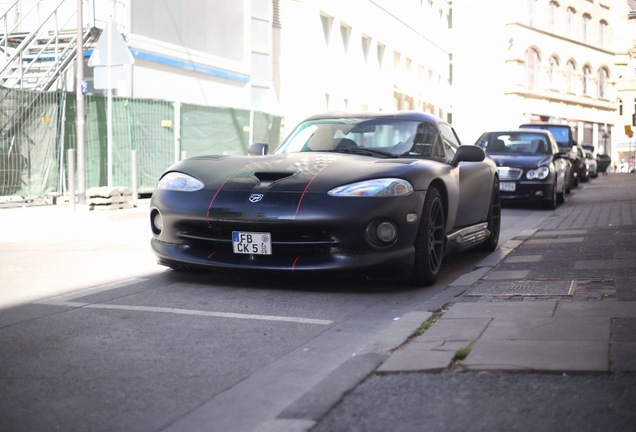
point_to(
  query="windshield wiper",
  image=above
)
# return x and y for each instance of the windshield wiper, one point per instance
(364, 151)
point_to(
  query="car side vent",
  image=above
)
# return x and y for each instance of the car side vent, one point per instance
(271, 176)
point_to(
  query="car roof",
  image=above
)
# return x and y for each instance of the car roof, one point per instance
(520, 130)
(398, 115)
(545, 124)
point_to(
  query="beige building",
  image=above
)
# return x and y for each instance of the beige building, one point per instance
(362, 55)
(562, 61)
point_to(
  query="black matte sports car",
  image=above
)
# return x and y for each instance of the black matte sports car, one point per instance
(385, 196)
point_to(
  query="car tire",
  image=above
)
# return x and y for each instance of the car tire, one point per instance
(551, 203)
(494, 220)
(430, 241)
(561, 196)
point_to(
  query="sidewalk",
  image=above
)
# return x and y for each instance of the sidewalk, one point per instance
(557, 302)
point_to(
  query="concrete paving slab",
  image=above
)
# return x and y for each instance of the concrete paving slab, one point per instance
(556, 356)
(605, 264)
(524, 259)
(612, 309)
(506, 274)
(553, 233)
(538, 309)
(556, 241)
(416, 359)
(549, 329)
(461, 329)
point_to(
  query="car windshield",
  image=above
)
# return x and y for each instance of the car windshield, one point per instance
(561, 133)
(374, 137)
(512, 142)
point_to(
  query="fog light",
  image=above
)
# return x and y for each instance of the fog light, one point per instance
(538, 193)
(386, 232)
(156, 222)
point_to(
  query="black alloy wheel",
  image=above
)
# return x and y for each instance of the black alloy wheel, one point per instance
(430, 241)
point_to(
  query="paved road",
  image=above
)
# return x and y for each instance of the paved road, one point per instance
(551, 332)
(100, 338)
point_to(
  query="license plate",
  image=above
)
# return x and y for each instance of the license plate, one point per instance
(507, 186)
(253, 243)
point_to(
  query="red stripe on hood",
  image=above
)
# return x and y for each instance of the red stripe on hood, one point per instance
(307, 187)
(207, 215)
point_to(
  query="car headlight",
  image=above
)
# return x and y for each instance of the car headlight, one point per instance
(386, 187)
(539, 173)
(177, 181)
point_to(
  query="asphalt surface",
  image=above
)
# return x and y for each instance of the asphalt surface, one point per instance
(541, 337)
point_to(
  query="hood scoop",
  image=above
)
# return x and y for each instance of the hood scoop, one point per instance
(272, 176)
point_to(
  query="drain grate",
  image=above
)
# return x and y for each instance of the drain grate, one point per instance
(523, 288)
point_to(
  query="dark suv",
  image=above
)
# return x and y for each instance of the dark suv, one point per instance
(567, 144)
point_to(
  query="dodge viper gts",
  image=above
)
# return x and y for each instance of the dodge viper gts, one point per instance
(383, 196)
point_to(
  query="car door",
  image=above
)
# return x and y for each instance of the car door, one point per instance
(475, 183)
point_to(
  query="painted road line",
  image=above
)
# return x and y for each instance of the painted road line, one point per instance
(66, 301)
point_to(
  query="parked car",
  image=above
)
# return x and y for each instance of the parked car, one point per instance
(530, 165)
(581, 166)
(564, 137)
(592, 165)
(384, 196)
(603, 162)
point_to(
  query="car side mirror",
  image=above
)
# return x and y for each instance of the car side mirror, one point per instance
(258, 149)
(468, 153)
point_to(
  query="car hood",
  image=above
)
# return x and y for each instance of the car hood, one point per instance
(520, 161)
(293, 172)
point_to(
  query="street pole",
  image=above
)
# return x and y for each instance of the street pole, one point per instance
(80, 121)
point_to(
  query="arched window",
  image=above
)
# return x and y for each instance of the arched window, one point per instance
(602, 34)
(587, 72)
(553, 17)
(570, 71)
(570, 22)
(532, 11)
(587, 23)
(602, 83)
(553, 73)
(532, 69)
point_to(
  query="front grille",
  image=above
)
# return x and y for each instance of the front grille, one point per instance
(508, 174)
(284, 239)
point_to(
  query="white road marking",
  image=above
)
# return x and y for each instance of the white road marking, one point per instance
(65, 300)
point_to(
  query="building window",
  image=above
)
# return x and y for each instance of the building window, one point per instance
(553, 16)
(587, 22)
(602, 34)
(532, 11)
(345, 32)
(327, 23)
(570, 22)
(532, 69)
(570, 71)
(380, 53)
(620, 107)
(366, 46)
(553, 73)
(587, 72)
(602, 83)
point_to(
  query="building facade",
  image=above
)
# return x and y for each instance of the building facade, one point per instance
(542, 60)
(481, 65)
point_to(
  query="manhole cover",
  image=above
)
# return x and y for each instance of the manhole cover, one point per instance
(523, 288)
